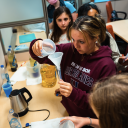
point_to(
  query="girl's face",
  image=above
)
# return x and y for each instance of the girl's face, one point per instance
(82, 46)
(63, 21)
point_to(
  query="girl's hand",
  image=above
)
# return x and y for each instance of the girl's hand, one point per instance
(57, 91)
(121, 61)
(36, 48)
(79, 122)
(38, 45)
(65, 88)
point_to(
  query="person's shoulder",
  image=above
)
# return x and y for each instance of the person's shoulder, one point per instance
(104, 54)
(70, 6)
(105, 50)
(67, 2)
(106, 63)
(50, 6)
(66, 46)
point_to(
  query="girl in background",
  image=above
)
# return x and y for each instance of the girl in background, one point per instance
(88, 9)
(62, 21)
(109, 102)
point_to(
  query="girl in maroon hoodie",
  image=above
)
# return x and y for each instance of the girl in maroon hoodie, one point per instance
(84, 62)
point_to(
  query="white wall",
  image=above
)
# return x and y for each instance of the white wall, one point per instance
(6, 37)
(85, 1)
(18, 10)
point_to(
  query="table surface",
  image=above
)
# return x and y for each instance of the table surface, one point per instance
(43, 98)
(21, 31)
(120, 28)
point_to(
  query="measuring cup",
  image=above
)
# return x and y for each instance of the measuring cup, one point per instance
(67, 124)
(48, 47)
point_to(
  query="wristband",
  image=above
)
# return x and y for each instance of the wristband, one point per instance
(90, 121)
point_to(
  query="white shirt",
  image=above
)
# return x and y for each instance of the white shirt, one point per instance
(62, 40)
(115, 53)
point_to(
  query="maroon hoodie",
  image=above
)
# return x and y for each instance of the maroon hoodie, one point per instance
(81, 74)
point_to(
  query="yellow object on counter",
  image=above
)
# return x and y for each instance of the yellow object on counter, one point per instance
(48, 75)
(32, 62)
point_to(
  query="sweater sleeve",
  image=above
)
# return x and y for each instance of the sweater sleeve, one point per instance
(80, 98)
(115, 53)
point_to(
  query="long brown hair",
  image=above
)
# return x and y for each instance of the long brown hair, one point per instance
(109, 99)
(93, 26)
(56, 30)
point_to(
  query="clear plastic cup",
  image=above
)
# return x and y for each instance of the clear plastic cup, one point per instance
(48, 47)
(34, 71)
(67, 124)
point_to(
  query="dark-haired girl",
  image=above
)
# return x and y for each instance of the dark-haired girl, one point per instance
(62, 21)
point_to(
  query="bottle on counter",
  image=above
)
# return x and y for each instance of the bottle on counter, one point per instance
(33, 68)
(1, 77)
(10, 47)
(12, 60)
(13, 119)
(32, 62)
(4, 75)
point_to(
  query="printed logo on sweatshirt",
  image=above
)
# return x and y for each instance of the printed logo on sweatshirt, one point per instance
(74, 83)
(79, 75)
(80, 68)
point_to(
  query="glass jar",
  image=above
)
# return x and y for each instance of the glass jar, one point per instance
(48, 74)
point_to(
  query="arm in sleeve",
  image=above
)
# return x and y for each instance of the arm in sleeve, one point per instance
(80, 98)
(115, 53)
